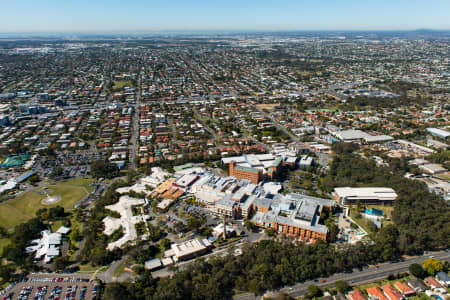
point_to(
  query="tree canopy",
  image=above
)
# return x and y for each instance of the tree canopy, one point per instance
(104, 169)
(420, 217)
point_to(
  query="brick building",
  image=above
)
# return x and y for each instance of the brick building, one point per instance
(239, 172)
(299, 219)
(264, 165)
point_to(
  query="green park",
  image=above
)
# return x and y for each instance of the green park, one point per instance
(24, 207)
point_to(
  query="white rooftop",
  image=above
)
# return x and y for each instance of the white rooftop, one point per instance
(47, 246)
(381, 193)
(126, 220)
(187, 248)
(9, 185)
(351, 134)
(272, 187)
(439, 132)
(153, 264)
(378, 138)
(63, 230)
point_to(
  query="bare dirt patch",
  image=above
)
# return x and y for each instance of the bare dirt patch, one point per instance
(51, 200)
(267, 106)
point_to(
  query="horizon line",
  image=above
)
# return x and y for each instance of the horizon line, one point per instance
(143, 31)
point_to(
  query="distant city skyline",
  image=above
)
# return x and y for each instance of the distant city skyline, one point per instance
(200, 15)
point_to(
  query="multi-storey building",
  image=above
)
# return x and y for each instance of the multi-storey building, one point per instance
(292, 215)
(240, 172)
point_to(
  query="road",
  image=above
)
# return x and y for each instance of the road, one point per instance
(209, 129)
(248, 136)
(135, 129)
(366, 275)
(278, 125)
(108, 275)
(218, 139)
(174, 132)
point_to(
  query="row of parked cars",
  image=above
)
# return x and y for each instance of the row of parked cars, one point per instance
(38, 289)
(8, 297)
(55, 293)
(40, 293)
(58, 279)
(25, 292)
(10, 287)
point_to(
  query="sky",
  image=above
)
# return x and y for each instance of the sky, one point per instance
(235, 15)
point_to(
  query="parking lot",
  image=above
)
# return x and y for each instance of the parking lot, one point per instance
(53, 287)
(75, 164)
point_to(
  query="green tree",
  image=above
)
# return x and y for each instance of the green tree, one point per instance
(314, 291)
(6, 273)
(250, 226)
(432, 266)
(57, 171)
(155, 232)
(62, 262)
(3, 232)
(104, 169)
(207, 232)
(116, 290)
(270, 231)
(333, 230)
(34, 179)
(194, 223)
(341, 286)
(164, 244)
(417, 270)
(255, 287)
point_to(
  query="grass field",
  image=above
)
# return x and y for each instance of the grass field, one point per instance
(91, 269)
(25, 206)
(121, 84)
(56, 225)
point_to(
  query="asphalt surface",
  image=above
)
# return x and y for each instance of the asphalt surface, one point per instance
(214, 135)
(135, 127)
(364, 276)
(42, 279)
(108, 275)
(278, 125)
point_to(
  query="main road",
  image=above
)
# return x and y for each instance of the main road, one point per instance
(278, 125)
(135, 128)
(200, 119)
(364, 276)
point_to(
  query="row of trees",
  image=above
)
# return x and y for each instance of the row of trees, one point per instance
(264, 266)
